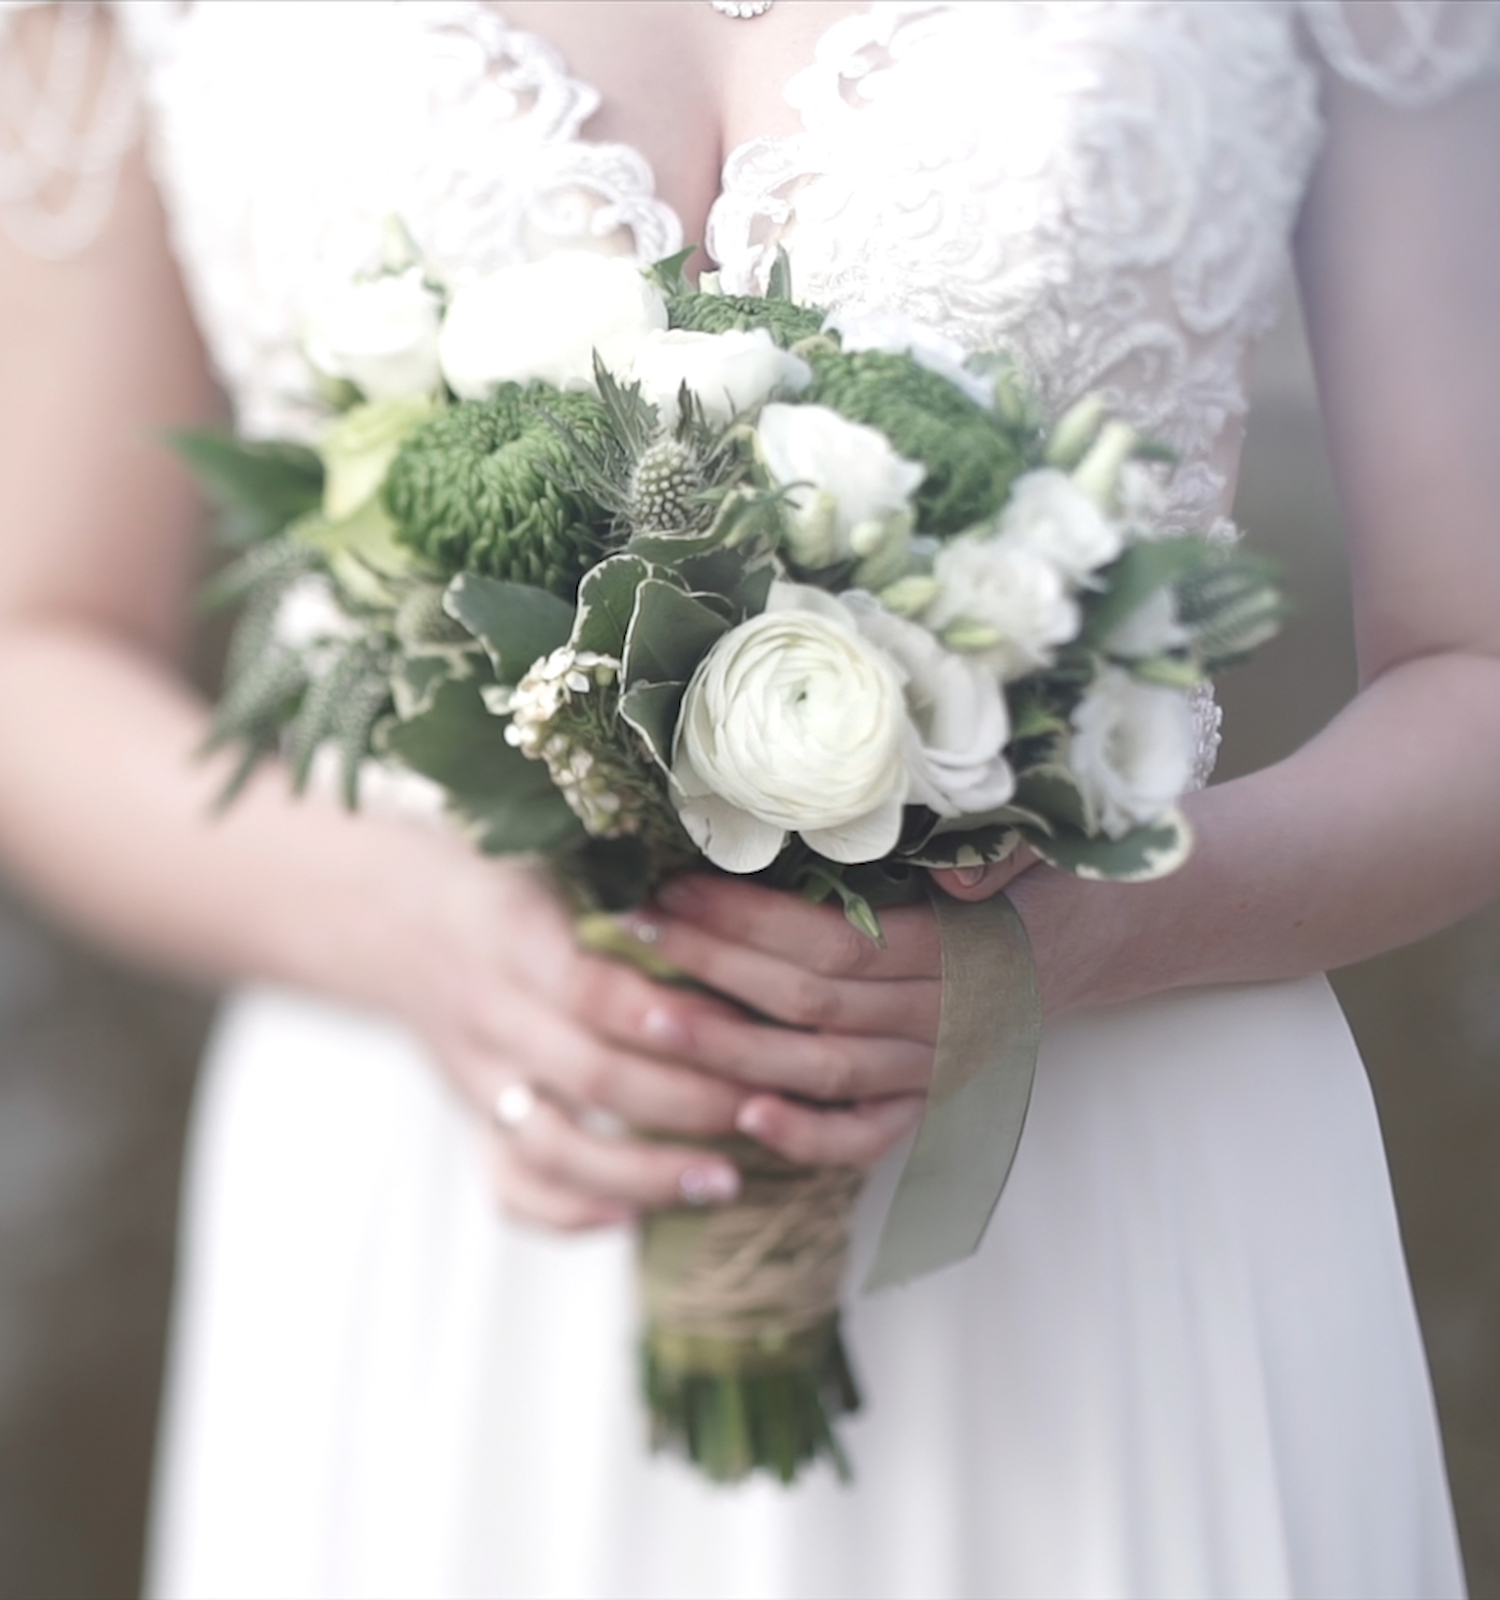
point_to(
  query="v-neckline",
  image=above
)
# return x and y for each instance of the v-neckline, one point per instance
(591, 93)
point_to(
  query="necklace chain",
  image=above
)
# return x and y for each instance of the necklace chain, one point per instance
(743, 10)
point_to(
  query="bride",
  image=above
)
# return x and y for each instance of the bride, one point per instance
(1185, 1359)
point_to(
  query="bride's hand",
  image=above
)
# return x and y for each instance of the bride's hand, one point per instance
(843, 1065)
(495, 984)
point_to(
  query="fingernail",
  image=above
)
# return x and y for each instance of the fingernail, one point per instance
(639, 926)
(702, 1186)
(969, 876)
(660, 1026)
(751, 1119)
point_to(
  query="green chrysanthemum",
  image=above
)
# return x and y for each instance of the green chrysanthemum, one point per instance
(971, 459)
(738, 313)
(484, 487)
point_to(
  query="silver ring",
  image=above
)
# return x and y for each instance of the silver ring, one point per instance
(646, 932)
(513, 1105)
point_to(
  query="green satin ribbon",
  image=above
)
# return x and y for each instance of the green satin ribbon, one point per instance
(989, 1031)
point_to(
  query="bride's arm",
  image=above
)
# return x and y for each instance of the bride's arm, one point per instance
(105, 812)
(1383, 828)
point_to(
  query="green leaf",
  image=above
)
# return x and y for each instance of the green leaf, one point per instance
(515, 623)
(606, 601)
(667, 274)
(1168, 672)
(673, 549)
(415, 681)
(273, 562)
(1053, 792)
(779, 284)
(670, 633)
(971, 848)
(1143, 853)
(259, 485)
(1034, 719)
(506, 802)
(1134, 578)
(742, 577)
(361, 552)
(652, 710)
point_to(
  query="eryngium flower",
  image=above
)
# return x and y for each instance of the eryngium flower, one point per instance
(480, 488)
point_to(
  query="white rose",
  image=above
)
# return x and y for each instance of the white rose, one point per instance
(958, 720)
(896, 334)
(544, 320)
(792, 723)
(729, 372)
(381, 334)
(1132, 750)
(848, 490)
(1049, 514)
(1003, 602)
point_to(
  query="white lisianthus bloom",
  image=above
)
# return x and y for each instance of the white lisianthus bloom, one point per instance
(729, 372)
(792, 723)
(900, 335)
(1002, 602)
(958, 723)
(379, 333)
(544, 320)
(849, 492)
(1049, 514)
(1151, 629)
(1131, 751)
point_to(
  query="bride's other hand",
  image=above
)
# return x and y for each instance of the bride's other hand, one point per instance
(554, 1048)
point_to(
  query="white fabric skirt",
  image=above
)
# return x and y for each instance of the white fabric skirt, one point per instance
(1185, 1360)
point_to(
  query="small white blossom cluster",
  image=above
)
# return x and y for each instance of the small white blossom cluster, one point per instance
(534, 706)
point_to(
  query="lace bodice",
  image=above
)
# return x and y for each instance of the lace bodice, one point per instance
(1106, 187)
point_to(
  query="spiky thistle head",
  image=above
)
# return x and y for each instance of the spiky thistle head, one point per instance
(665, 484)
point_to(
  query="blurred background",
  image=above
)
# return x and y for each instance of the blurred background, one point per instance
(96, 1071)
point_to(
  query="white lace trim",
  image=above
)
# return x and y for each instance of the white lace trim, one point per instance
(1407, 52)
(60, 155)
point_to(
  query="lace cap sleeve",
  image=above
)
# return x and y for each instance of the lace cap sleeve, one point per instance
(1406, 52)
(69, 110)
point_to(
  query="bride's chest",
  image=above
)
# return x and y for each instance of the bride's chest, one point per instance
(1051, 174)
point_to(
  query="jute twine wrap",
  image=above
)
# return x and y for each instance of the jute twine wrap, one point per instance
(762, 1269)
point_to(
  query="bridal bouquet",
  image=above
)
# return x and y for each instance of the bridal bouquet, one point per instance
(645, 578)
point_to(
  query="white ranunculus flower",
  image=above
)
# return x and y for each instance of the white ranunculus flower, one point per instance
(1003, 602)
(544, 320)
(848, 489)
(1049, 514)
(1132, 750)
(379, 333)
(729, 372)
(896, 334)
(793, 722)
(1151, 629)
(958, 725)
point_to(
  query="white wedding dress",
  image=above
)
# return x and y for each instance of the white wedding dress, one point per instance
(1185, 1360)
